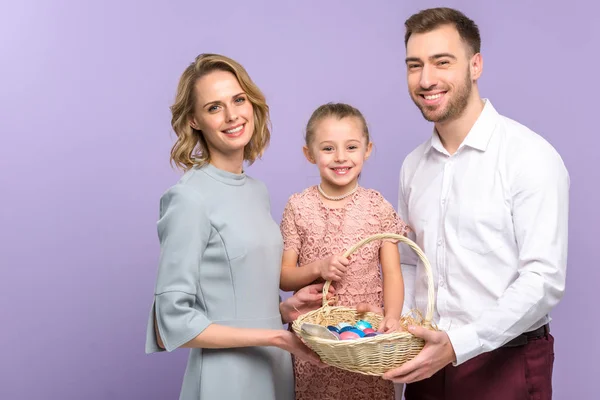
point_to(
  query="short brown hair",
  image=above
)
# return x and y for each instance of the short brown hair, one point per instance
(432, 18)
(191, 148)
(337, 110)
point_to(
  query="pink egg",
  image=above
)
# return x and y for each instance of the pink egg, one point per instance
(348, 335)
(368, 330)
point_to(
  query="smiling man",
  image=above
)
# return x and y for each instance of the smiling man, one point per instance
(487, 200)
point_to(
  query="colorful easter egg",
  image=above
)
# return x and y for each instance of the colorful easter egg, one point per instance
(348, 335)
(372, 334)
(368, 330)
(343, 324)
(346, 329)
(358, 332)
(333, 329)
(362, 324)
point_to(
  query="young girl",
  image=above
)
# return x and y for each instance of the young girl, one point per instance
(321, 223)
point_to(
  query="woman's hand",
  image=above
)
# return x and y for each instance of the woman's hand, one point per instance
(289, 342)
(334, 268)
(304, 300)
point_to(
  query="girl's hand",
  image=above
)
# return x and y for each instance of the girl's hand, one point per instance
(389, 325)
(289, 342)
(334, 268)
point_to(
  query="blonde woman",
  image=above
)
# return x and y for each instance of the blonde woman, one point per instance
(218, 279)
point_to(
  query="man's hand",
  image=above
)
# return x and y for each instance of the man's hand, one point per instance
(437, 353)
(304, 300)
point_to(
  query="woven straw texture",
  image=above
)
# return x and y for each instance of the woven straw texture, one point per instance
(373, 355)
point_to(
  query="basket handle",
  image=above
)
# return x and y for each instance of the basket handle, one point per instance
(412, 245)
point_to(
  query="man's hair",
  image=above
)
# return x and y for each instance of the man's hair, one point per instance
(432, 18)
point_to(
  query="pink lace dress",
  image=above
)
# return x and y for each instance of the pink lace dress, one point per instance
(316, 231)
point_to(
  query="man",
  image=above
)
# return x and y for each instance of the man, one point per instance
(487, 200)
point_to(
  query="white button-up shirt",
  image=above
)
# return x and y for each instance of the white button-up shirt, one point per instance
(492, 220)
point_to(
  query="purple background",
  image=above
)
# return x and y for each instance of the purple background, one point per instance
(85, 137)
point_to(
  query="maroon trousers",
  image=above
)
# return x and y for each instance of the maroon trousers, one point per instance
(508, 373)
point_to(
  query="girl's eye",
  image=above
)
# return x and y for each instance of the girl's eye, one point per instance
(328, 148)
(352, 147)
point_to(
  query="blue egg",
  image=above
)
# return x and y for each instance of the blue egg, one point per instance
(347, 328)
(362, 324)
(333, 329)
(358, 332)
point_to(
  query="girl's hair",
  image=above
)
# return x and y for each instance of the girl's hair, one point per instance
(337, 110)
(191, 148)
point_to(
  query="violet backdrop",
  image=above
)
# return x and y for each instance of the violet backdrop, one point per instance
(85, 136)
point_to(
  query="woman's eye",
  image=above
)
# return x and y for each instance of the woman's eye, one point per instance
(213, 108)
(240, 100)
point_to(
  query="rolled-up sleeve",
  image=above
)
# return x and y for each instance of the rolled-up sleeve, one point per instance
(184, 231)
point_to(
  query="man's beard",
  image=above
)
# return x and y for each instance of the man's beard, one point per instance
(455, 107)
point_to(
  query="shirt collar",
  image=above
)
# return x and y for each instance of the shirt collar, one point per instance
(480, 134)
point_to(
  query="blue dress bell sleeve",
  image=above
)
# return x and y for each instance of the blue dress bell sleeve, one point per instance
(184, 231)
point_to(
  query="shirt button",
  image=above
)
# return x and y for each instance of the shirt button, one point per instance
(441, 283)
(440, 241)
(443, 201)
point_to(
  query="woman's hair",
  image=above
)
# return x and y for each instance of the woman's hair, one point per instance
(191, 147)
(336, 110)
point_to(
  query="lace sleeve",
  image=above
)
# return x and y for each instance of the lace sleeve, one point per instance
(289, 230)
(391, 221)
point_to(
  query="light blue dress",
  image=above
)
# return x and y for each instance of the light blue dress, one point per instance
(220, 263)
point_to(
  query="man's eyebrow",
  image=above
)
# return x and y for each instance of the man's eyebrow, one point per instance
(442, 55)
(433, 57)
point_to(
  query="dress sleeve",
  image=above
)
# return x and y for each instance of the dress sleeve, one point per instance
(184, 231)
(289, 230)
(391, 221)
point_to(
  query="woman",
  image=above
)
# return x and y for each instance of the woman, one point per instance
(218, 280)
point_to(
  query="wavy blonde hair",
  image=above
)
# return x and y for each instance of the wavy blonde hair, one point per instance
(191, 148)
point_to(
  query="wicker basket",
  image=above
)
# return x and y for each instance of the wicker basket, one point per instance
(372, 355)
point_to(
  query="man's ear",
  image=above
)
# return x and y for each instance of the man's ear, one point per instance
(476, 66)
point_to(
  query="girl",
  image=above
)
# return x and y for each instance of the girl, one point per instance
(322, 222)
(217, 290)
